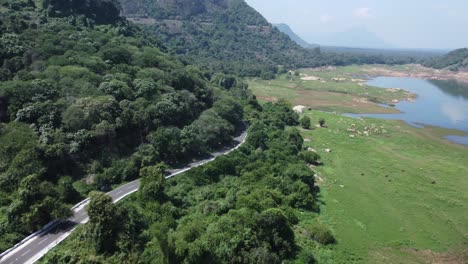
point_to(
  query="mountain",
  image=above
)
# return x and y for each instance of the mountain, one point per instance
(454, 60)
(288, 31)
(232, 37)
(355, 37)
(228, 35)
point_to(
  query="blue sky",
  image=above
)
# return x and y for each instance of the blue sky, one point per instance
(402, 23)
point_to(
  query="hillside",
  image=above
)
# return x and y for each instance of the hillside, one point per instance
(288, 31)
(87, 100)
(230, 36)
(225, 34)
(90, 101)
(455, 60)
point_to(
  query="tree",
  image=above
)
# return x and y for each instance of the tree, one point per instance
(191, 142)
(225, 81)
(3, 108)
(152, 183)
(213, 129)
(116, 55)
(101, 226)
(322, 122)
(273, 228)
(230, 110)
(10, 46)
(321, 234)
(305, 122)
(167, 143)
(294, 137)
(89, 111)
(65, 189)
(35, 205)
(146, 88)
(309, 157)
(116, 88)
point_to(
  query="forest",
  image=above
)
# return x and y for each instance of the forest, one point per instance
(87, 104)
(88, 101)
(454, 61)
(231, 37)
(241, 208)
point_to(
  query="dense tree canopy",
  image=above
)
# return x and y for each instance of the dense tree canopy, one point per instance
(454, 60)
(88, 101)
(240, 208)
(92, 101)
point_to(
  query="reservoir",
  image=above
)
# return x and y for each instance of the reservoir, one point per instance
(438, 103)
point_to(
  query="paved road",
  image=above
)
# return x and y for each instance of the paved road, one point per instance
(37, 245)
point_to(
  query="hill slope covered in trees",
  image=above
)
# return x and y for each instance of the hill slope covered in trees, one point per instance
(455, 60)
(230, 36)
(288, 31)
(227, 35)
(87, 101)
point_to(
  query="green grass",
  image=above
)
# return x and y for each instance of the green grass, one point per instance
(327, 94)
(386, 195)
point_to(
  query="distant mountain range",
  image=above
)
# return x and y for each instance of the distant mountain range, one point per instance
(355, 37)
(288, 31)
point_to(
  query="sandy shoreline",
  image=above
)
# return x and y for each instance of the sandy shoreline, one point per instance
(418, 71)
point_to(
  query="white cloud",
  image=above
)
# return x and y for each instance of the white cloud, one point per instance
(454, 111)
(362, 12)
(325, 18)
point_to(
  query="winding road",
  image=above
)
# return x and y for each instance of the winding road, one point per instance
(38, 244)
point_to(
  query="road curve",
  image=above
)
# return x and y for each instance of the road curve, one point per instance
(38, 244)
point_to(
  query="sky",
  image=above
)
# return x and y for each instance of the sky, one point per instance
(431, 24)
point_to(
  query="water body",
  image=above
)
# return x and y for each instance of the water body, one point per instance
(439, 103)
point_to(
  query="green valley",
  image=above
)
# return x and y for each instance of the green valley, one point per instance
(391, 193)
(197, 131)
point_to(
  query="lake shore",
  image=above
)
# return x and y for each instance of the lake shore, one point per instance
(331, 90)
(391, 193)
(439, 103)
(416, 71)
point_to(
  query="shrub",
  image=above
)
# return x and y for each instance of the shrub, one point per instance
(306, 257)
(309, 157)
(305, 122)
(321, 122)
(321, 234)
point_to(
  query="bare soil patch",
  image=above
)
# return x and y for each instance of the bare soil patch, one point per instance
(268, 98)
(418, 71)
(311, 78)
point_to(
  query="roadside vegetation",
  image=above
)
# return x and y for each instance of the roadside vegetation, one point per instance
(241, 208)
(88, 103)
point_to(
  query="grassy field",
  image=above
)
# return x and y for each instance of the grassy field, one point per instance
(337, 89)
(391, 193)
